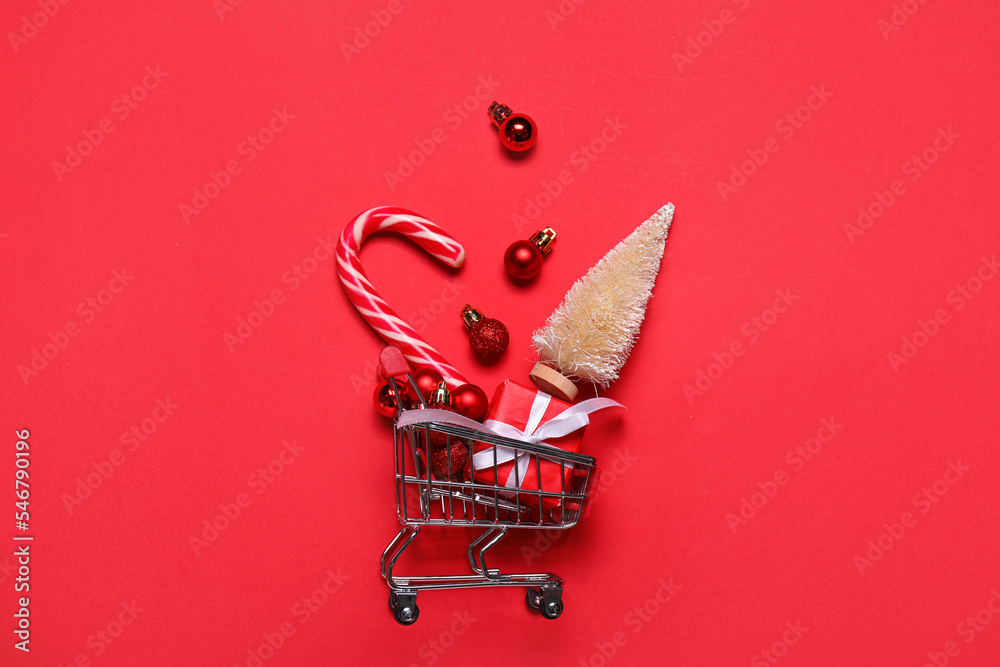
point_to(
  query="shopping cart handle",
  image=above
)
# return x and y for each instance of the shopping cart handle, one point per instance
(392, 362)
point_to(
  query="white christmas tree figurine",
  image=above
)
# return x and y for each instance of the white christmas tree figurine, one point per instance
(591, 333)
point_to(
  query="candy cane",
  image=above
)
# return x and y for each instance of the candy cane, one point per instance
(373, 307)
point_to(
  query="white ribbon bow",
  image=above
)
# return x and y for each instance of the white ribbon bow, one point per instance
(571, 419)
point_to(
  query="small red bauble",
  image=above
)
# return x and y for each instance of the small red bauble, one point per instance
(427, 380)
(523, 259)
(384, 398)
(440, 399)
(459, 454)
(445, 448)
(489, 337)
(470, 401)
(518, 131)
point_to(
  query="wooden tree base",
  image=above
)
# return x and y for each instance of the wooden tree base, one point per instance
(553, 382)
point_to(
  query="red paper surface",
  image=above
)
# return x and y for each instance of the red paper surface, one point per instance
(820, 351)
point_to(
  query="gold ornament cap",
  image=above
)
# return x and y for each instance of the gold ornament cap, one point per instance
(553, 382)
(544, 239)
(440, 396)
(470, 316)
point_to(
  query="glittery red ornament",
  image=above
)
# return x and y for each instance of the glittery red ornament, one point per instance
(459, 454)
(488, 337)
(470, 401)
(523, 259)
(427, 380)
(442, 446)
(440, 398)
(518, 131)
(384, 397)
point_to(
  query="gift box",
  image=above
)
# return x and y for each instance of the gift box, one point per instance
(519, 412)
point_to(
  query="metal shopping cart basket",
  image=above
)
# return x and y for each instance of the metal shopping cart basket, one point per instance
(425, 497)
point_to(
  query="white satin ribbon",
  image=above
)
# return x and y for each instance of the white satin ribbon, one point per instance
(571, 419)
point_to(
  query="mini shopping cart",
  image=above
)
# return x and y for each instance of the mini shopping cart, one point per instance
(427, 498)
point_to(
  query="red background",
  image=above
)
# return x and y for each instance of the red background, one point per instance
(305, 374)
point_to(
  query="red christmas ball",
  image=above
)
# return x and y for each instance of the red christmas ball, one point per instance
(384, 399)
(523, 260)
(517, 130)
(457, 452)
(517, 133)
(427, 380)
(489, 339)
(470, 401)
(443, 446)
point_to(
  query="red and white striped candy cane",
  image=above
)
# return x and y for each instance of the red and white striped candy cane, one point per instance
(373, 307)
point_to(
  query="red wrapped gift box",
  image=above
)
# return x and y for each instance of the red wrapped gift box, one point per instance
(513, 405)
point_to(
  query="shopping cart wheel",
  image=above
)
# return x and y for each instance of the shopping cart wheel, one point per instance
(533, 596)
(552, 605)
(404, 607)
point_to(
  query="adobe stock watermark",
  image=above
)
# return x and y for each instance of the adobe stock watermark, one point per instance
(695, 45)
(913, 169)
(369, 30)
(580, 160)
(302, 611)
(610, 473)
(121, 108)
(249, 149)
(786, 127)
(923, 501)
(7, 569)
(898, 17)
(293, 277)
(452, 118)
(957, 298)
(435, 648)
(32, 23)
(419, 319)
(751, 330)
(562, 12)
(101, 470)
(796, 458)
(258, 481)
(223, 7)
(967, 630)
(88, 310)
(637, 618)
(108, 634)
(779, 649)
